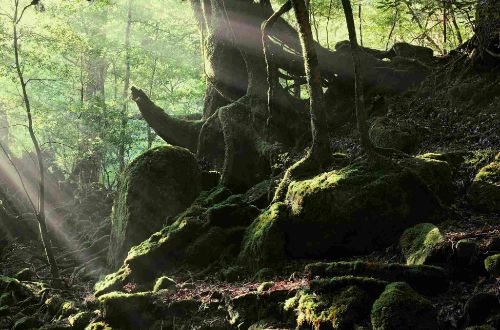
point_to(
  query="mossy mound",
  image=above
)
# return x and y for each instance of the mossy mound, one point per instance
(157, 185)
(484, 192)
(399, 307)
(492, 265)
(419, 243)
(335, 303)
(425, 279)
(264, 241)
(385, 134)
(352, 210)
(190, 240)
(128, 310)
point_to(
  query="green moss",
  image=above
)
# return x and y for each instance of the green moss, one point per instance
(112, 282)
(164, 282)
(418, 243)
(337, 310)
(80, 320)
(484, 192)
(98, 326)
(264, 286)
(492, 265)
(426, 279)
(399, 307)
(264, 241)
(128, 310)
(166, 176)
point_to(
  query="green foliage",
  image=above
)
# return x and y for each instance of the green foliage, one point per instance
(74, 56)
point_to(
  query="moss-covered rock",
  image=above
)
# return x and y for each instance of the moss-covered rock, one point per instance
(80, 320)
(419, 243)
(423, 278)
(352, 210)
(232, 215)
(157, 185)
(492, 265)
(484, 192)
(399, 307)
(480, 307)
(336, 303)
(128, 310)
(164, 283)
(27, 322)
(264, 241)
(384, 134)
(250, 307)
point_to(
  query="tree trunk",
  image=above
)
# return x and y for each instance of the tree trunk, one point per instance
(361, 116)
(44, 235)
(320, 149)
(126, 86)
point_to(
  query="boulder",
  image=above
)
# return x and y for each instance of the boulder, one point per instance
(429, 280)
(335, 303)
(385, 134)
(492, 265)
(419, 243)
(480, 307)
(399, 307)
(352, 210)
(157, 185)
(128, 310)
(484, 192)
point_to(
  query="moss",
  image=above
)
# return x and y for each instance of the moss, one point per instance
(54, 304)
(399, 307)
(112, 282)
(168, 176)
(164, 282)
(67, 308)
(80, 320)
(338, 310)
(128, 310)
(98, 326)
(484, 192)
(423, 278)
(372, 286)
(492, 265)
(327, 209)
(265, 286)
(264, 240)
(419, 242)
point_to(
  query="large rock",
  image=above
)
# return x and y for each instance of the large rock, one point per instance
(352, 210)
(399, 307)
(419, 243)
(484, 193)
(157, 185)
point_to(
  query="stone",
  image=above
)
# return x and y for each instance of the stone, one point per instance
(399, 307)
(484, 192)
(164, 283)
(429, 280)
(384, 134)
(80, 320)
(419, 243)
(128, 310)
(353, 210)
(157, 185)
(492, 265)
(479, 307)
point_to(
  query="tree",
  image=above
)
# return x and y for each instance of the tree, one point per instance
(40, 212)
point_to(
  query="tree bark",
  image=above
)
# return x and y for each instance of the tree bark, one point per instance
(361, 116)
(320, 149)
(44, 235)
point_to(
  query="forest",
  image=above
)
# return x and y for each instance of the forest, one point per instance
(250, 164)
